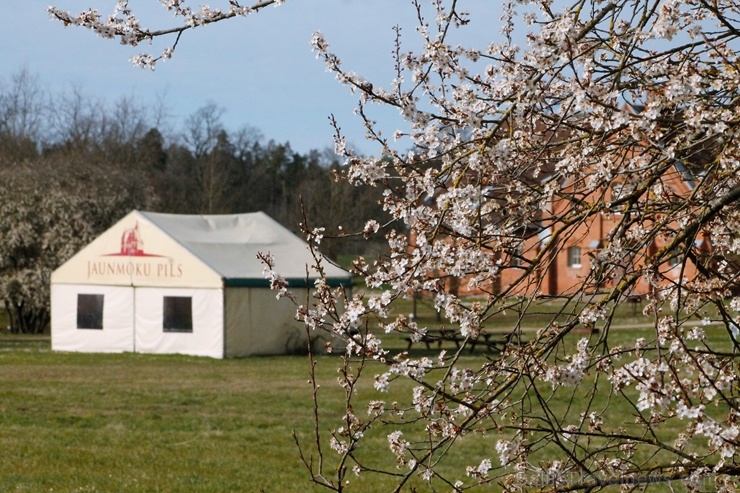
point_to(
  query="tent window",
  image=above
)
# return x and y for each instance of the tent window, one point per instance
(90, 311)
(177, 314)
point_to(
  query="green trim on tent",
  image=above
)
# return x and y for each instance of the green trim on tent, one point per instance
(297, 282)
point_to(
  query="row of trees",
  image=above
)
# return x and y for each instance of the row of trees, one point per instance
(72, 167)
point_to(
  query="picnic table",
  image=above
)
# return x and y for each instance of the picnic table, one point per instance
(492, 341)
(432, 337)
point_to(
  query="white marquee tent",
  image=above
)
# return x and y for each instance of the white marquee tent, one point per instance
(165, 283)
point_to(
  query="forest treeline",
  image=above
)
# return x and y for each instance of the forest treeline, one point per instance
(199, 168)
(71, 166)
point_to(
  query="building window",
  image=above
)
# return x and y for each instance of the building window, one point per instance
(516, 256)
(619, 191)
(616, 191)
(574, 256)
(675, 260)
(90, 311)
(177, 314)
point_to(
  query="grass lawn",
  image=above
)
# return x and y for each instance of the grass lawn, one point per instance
(73, 422)
(112, 423)
(140, 423)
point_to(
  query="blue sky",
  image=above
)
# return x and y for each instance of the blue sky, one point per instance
(259, 69)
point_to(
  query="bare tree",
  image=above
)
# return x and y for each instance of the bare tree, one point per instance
(202, 129)
(213, 156)
(23, 106)
(73, 120)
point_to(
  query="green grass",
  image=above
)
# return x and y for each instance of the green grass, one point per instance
(137, 423)
(73, 422)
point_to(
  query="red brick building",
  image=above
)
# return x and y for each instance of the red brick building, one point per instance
(565, 271)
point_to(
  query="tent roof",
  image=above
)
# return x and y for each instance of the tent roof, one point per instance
(229, 245)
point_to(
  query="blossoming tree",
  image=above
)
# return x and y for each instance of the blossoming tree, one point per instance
(575, 113)
(43, 224)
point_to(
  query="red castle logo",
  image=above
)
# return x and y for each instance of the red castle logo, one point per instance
(132, 244)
